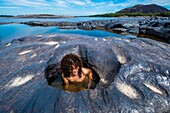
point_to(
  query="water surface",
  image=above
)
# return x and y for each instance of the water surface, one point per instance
(8, 32)
(77, 19)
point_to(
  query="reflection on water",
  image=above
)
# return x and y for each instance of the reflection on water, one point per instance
(14, 31)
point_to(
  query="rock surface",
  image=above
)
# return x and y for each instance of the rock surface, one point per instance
(157, 27)
(135, 75)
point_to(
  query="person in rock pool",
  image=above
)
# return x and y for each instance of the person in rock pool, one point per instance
(74, 75)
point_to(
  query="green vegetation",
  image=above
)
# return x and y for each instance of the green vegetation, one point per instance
(165, 14)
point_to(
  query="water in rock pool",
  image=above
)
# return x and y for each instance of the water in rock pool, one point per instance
(74, 87)
(54, 78)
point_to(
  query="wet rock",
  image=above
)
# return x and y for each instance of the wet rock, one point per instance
(110, 25)
(133, 30)
(167, 24)
(114, 25)
(92, 24)
(134, 75)
(158, 26)
(40, 23)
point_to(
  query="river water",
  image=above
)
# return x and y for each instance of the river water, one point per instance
(8, 32)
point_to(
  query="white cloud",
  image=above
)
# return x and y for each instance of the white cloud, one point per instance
(130, 3)
(159, 2)
(29, 3)
(77, 2)
(67, 3)
(87, 7)
(83, 13)
(60, 3)
(84, 3)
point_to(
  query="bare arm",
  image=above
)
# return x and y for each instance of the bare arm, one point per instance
(66, 82)
(90, 78)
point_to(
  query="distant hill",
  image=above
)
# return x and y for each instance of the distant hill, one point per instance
(139, 10)
(152, 8)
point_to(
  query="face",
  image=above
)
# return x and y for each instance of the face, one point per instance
(74, 70)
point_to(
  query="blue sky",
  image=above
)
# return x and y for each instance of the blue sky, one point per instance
(70, 7)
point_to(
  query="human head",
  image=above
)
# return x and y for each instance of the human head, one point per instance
(69, 62)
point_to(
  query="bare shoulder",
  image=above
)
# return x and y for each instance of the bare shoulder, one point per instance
(86, 70)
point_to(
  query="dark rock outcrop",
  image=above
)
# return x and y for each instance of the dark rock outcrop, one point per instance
(151, 8)
(93, 24)
(134, 75)
(114, 25)
(159, 27)
(89, 25)
(40, 23)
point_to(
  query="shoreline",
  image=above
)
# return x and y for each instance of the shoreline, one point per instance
(136, 27)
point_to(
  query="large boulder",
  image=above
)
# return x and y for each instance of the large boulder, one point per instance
(134, 75)
(159, 27)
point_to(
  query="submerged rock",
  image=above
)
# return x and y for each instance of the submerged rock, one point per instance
(134, 75)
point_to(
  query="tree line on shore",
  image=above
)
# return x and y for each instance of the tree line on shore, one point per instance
(164, 14)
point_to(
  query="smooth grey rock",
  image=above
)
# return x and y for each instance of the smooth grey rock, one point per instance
(135, 75)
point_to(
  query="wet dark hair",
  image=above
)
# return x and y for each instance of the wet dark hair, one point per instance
(67, 62)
